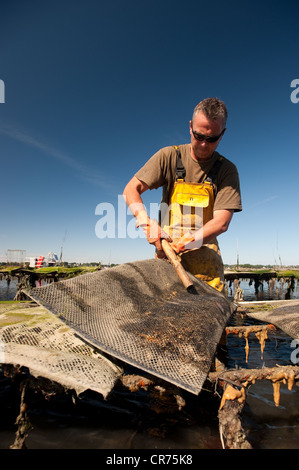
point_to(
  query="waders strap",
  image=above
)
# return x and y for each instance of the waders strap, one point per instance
(181, 172)
(180, 169)
(214, 170)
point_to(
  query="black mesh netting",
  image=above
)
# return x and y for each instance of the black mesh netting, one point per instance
(141, 313)
(285, 317)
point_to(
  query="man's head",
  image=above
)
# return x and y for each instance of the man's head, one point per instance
(213, 109)
(207, 127)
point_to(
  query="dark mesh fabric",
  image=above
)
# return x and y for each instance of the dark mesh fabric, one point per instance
(141, 313)
(285, 317)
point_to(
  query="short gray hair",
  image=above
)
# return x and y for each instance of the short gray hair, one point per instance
(213, 109)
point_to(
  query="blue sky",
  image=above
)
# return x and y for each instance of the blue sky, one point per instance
(94, 88)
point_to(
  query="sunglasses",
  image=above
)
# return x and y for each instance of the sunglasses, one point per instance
(207, 138)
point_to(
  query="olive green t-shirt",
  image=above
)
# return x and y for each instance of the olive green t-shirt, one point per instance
(160, 170)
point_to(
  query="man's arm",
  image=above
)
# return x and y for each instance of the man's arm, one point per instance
(132, 195)
(214, 227)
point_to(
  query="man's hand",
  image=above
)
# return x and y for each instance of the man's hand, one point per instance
(153, 232)
(184, 243)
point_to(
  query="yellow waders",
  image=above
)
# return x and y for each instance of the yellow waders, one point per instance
(191, 206)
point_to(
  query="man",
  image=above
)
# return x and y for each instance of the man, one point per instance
(201, 190)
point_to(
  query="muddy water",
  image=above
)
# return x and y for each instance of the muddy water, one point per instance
(269, 427)
(275, 290)
(140, 421)
(8, 289)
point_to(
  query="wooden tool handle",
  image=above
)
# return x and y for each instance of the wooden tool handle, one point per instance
(173, 258)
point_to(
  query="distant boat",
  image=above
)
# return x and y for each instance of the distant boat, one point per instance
(50, 260)
(40, 262)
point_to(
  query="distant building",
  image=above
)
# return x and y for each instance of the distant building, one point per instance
(43, 261)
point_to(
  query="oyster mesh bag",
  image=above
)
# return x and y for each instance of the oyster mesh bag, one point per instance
(141, 314)
(33, 338)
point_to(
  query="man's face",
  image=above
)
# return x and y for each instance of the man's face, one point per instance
(203, 150)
